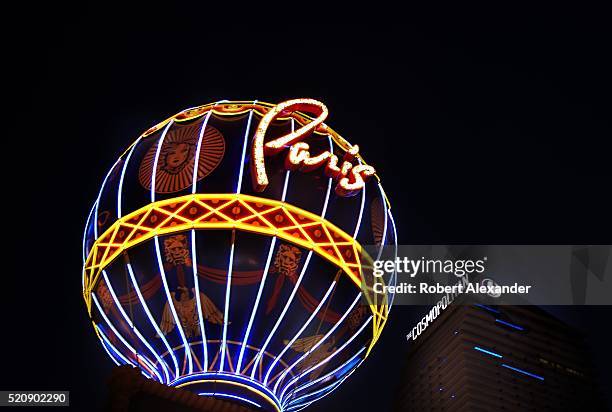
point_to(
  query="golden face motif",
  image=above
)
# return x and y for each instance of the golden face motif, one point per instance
(355, 318)
(287, 260)
(176, 156)
(104, 296)
(176, 162)
(175, 250)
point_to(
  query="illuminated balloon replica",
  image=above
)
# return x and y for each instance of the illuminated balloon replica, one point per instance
(224, 256)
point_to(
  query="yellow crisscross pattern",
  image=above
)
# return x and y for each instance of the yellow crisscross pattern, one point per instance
(233, 211)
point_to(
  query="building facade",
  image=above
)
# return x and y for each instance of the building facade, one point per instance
(485, 358)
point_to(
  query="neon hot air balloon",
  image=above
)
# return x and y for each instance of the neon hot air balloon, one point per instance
(223, 254)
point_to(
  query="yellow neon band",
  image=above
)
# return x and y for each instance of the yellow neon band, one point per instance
(214, 211)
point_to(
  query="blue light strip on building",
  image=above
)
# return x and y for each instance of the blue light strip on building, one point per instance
(488, 352)
(512, 325)
(533, 375)
(489, 308)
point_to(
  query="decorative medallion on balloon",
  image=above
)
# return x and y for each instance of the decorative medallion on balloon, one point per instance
(175, 158)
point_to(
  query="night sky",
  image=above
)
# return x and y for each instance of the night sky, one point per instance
(486, 127)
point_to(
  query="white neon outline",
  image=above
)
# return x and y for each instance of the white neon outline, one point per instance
(259, 355)
(100, 195)
(327, 375)
(244, 149)
(242, 378)
(194, 184)
(114, 349)
(306, 405)
(363, 196)
(255, 305)
(196, 283)
(160, 143)
(122, 339)
(329, 183)
(330, 357)
(231, 259)
(319, 343)
(171, 304)
(151, 319)
(228, 287)
(297, 335)
(384, 236)
(161, 362)
(332, 385)
(264, 277)
(227, 395)
(85, 245)
(85, 231)
(288, 172)
(327, 393)
(196, 161)
(102, 342)
(393, 279)
(120, 188)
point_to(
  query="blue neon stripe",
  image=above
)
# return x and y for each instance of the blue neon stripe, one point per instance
(323, 362)
(512, 325)
(297, 335)
(319, 343)
(489, 308)
(533, 375)
(488, 352)
(228, 376)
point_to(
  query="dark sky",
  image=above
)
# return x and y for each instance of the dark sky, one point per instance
(487, 126)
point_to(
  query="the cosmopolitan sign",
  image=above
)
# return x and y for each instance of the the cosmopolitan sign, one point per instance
(438, 308)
